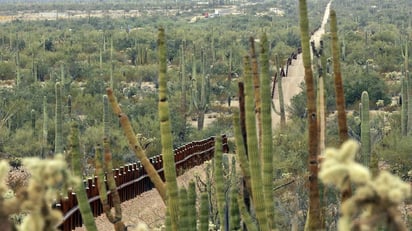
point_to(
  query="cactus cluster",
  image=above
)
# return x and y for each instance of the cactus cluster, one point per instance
(376, 199)
(48, 179)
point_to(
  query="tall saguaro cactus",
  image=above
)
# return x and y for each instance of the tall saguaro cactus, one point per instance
(365, 131)
(404, 109)
(314, 211)
(166, 135)
(58, 143)
(45, 122)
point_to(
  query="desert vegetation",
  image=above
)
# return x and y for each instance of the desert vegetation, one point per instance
(58, 78)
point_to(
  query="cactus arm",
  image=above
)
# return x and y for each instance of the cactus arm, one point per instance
(313, 223)
(166, 135)
(84, 207)
(136, 146)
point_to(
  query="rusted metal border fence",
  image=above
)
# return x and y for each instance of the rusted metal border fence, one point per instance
(132, 180)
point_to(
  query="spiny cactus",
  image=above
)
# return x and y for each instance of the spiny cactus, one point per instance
(375, 201)
(365, 131)
(48, 178)
(234, 216)
(80, 190)
(314, 211)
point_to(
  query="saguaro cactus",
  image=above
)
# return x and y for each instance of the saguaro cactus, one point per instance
(45, 121)
(58, 143)
(314, 211)
(404, 109)
(365, 131)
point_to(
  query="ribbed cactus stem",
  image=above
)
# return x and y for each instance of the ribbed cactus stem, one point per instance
(219, 181)
(256, 88)
(184, 210)
(84, 207)
(111, 84)
(267, 144)
(166, 135)
(58, 143)
(314, 210)
(105, 117)
(253, 150)
(234, 217)
(404, 109)
(365, 131)
(191, 197)
(204, 212)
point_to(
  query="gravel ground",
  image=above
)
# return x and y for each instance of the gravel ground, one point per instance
(147, 207)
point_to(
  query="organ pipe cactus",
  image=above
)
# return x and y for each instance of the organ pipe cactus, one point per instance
(253, 149)
(365, 131)
(80, 190)
(266, 117)
(166, 135)
(58, 143)
(313, 222)
(340, 98)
